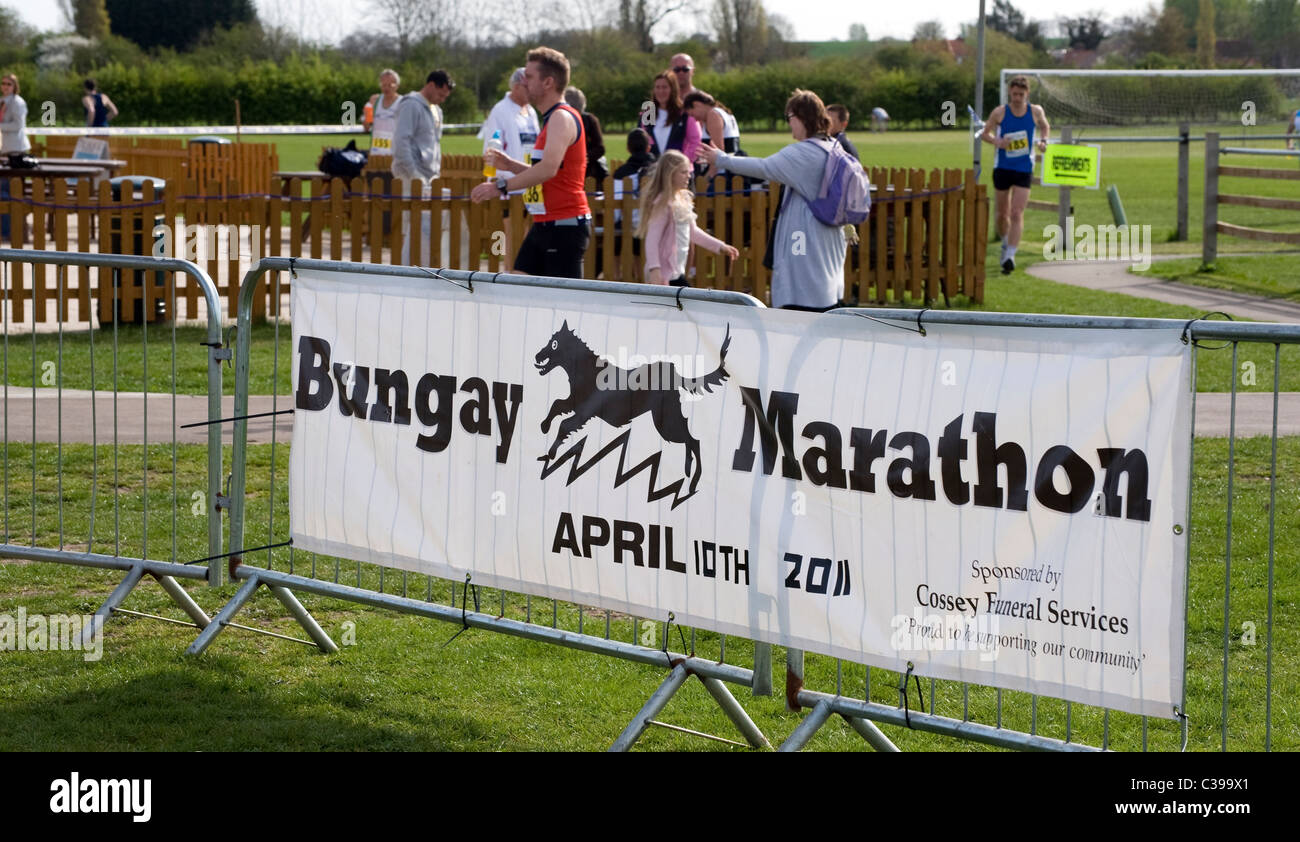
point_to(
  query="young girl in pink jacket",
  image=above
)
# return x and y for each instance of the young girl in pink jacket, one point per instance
(668, 221)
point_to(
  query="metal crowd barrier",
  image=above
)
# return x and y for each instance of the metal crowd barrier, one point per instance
(82, 368)
(264, 560)
(1021, 721)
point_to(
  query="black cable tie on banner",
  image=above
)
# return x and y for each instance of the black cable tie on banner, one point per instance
(920, 328)
(245, 551)
(680, 290)
(902, 694)
(668, 629)
(236, 418)
(293, 273)
(1187, 330)
(464, 617)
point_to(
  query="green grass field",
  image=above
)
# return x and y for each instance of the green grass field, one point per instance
(400, 688)
(1268, 276)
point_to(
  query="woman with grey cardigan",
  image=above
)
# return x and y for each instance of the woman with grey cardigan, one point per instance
(807, 254)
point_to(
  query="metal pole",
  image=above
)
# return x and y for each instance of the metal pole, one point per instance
(979, 87)
(114, 599)
(205, 638)
(762, 669)
(306, 620)
(1063, 193)
(811, 724)
(793, 678)
(182, 598)
(651, 709)
(735, 712)
(1184, 156)
(872, 734)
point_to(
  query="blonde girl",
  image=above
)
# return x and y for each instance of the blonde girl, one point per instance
(667, 221)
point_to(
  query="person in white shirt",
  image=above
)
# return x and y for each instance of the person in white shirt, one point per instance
(382, 118)
(515, 119)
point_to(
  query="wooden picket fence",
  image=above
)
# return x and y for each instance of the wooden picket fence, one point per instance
(925, 239)
(174, 160)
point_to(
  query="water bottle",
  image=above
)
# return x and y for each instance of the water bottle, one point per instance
(490, 171)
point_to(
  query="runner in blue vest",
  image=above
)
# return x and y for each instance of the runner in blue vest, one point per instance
(1012, 129)
(99, 108)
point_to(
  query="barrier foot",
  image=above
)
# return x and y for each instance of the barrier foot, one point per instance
(119, 594)
(735, 712)
(223, 617)
(651, 709)
(871, 734)
(183, 599)
(305, 619)
(811, 724)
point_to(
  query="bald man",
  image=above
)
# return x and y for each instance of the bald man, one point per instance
(683, 69)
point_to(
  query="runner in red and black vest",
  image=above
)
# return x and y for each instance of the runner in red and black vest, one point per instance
(553, 185)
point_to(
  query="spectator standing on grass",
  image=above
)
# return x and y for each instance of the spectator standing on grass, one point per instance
(673, 128)
(99, 108)
(597, 166)
(668, 223)
(417, 150)
(417, 153)
(1016, 129)
(515, 119)
(13, 117)
(806, 256)
(839, 125)
(1293, 128)
(381, 114)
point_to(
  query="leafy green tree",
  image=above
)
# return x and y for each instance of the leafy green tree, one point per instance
(178, 24)
(1205, 37)
(88, 17)
(929, 30)
(858, 32)
(1085, 32)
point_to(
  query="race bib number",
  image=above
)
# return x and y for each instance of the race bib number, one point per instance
(534, 200)
(381, 136)
(1017, 144)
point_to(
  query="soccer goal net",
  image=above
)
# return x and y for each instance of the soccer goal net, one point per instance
(1162, 97)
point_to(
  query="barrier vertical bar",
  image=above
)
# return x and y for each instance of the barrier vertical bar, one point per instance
(1184, 156)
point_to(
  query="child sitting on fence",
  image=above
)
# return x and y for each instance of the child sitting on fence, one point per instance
(667, 221)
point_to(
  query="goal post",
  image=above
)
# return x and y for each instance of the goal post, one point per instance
(1136, 97)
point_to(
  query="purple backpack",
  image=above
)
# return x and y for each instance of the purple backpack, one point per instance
(845, 195)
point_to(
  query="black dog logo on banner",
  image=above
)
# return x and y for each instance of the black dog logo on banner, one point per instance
(617, 396)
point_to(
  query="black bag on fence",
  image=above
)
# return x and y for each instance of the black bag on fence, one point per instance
(22, 161)
(347, 162)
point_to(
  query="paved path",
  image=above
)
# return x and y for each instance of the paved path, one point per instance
(1113, 276)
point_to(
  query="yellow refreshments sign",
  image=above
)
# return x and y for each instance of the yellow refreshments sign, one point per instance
(1071, 165)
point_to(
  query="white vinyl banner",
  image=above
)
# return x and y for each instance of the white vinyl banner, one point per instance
(1002, 506)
